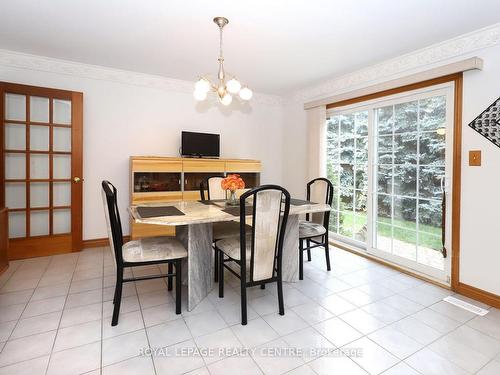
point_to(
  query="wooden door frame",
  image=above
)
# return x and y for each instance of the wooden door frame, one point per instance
(76, 99)
(457, 79)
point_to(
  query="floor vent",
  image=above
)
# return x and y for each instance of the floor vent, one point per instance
(466, 305)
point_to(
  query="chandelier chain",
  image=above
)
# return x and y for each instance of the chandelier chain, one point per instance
(220, 43)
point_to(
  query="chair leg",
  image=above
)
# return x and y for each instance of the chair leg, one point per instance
(178, 286)
(327, 253)
(301, 260)
(169, 279)
(118, 296)
(308, 242)
(220, 257)
(280, 297)
(243, 301)
(262, 286)
(216, 265)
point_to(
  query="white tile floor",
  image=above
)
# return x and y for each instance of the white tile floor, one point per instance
(55, 315)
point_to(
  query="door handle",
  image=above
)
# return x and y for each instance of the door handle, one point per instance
(77, 180)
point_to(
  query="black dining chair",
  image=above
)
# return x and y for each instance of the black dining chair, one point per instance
(210, 189)
(314, 230)
(146, 251)
(257, 252)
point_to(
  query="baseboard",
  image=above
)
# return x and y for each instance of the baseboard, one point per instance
(100, 242)
(478, 294)
(388, 264)
(4, 268)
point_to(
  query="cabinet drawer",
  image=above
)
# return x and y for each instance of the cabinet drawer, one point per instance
(167, 196)
(149, 230)
(203, 166)
(156, 166)
(191, 196)
(242, 166)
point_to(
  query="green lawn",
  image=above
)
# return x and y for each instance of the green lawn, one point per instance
(429, 236)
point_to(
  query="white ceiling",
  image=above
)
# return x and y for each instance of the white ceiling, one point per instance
(273, 45)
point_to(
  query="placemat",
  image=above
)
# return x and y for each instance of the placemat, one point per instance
(299, 202)
(158, 211)
(235, 211)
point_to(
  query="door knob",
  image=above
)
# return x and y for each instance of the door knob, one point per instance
(77, 179)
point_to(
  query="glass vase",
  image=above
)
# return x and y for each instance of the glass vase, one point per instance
(233, 200)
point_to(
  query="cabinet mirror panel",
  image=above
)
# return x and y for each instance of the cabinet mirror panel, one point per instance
(192, 180)
(145, 182)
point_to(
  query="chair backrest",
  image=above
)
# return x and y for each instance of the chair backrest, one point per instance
(211, 189)
(113, 221)
(270, 208)
(320, 190)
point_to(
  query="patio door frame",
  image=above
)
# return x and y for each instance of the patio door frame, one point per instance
(21, 248)
(455, 185)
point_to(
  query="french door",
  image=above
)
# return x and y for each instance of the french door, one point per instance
(390, 161)
(41, 169)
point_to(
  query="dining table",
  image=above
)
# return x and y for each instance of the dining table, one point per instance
(193, 221)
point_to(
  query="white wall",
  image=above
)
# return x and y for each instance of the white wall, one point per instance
(480, 215)
(123, 119)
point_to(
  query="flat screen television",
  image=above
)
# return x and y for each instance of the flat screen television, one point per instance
(200, 145)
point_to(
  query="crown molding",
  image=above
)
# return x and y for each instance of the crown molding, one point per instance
(422, 59)
(47, 64)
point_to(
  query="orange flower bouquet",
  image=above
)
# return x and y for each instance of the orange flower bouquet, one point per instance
(232, 183)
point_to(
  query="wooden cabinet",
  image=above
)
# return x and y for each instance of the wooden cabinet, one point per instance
(164, 179)
(4, 239)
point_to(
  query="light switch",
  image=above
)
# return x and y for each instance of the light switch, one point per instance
(475, 158)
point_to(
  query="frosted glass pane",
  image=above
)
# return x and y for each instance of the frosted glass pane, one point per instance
(39, 223)
(39, 194)
(15, 137)
(39, 138)
(39, 166)
(61, 139)
(15, 107)
(15, 166)
(62, 112)
(61, 193)
(39, 109)
(61, 166)
(61, 221)
(15, 195)
(17, 224)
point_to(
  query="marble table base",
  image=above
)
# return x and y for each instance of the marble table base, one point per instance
(199, 268)
(290, 261)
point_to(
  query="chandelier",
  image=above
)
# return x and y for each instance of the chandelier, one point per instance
(224, 90)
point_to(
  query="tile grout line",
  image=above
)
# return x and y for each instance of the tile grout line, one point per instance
(144, 323)
(60, 319)
(19, 319)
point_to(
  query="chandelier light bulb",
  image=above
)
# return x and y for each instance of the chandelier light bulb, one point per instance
(233, 86)
(200, 95)
(202, 85)
(226, 99)
(246, 93)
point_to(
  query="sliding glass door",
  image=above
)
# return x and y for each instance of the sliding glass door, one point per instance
(347, 167)
(390, 163)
